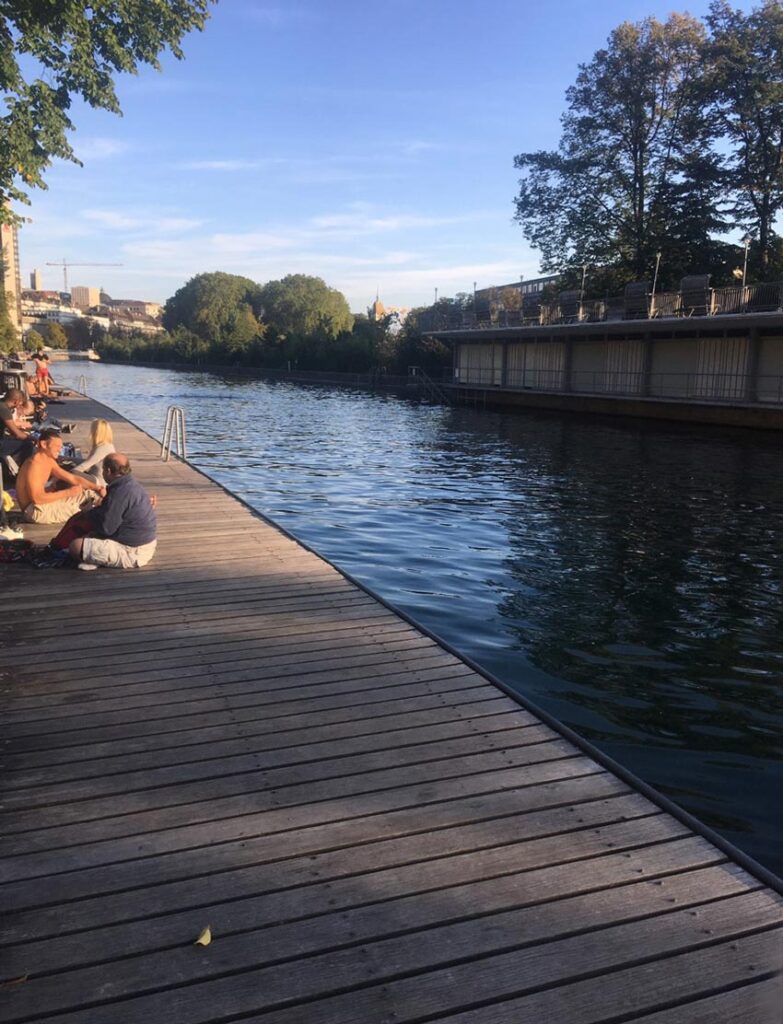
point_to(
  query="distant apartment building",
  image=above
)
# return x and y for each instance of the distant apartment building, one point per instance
(85, 298)
(123, 321)
(131, 307)
(10, 277)
(35, 280)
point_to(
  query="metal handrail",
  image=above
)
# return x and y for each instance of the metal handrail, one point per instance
(432, 388)
(764, 297)
(174, 433)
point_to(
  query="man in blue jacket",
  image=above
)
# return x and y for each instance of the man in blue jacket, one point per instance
(123, 529)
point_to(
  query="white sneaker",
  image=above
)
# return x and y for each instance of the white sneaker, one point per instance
(9, 533)
(86, 566)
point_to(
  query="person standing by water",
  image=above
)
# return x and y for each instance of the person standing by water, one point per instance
(42, 376)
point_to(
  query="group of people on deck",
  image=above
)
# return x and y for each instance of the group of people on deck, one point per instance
(107, 517)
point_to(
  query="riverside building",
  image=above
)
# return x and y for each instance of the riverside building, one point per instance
(701, 354)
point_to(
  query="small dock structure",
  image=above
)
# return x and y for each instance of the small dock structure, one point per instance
(239, 738)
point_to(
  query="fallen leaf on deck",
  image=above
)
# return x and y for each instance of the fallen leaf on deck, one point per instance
(14, 981)
(205, 938)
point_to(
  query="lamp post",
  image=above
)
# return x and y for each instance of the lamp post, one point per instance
(746, 242)
(655, 283)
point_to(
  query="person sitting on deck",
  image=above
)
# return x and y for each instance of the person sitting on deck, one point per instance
(38, 479)
(16, 442)
(102, 445)
(122, 532)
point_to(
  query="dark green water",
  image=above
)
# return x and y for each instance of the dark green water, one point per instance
(625, 576)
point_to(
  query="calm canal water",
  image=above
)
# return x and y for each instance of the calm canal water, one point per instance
(625, 576)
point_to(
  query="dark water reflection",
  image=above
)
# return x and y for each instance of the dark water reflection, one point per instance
(626, 576)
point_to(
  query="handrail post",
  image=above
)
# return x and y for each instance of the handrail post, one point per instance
(173, 433)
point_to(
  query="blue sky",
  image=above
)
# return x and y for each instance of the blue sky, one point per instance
(369, 143)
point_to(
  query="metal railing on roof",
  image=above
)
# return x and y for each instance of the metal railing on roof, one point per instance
(694, 299)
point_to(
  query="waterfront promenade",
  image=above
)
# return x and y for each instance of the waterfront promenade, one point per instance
(237, 736)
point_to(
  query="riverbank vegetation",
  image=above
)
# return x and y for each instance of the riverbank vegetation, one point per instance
(296, 323)
(671, 139)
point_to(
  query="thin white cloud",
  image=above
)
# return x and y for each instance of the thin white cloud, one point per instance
(111, 219)
(278, 17)
(415, 146)
(150, 222)
(223, 165)
(94, 148)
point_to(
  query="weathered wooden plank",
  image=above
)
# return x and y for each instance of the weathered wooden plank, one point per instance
(177, 716)
(18, 780)
(484, 933)
(186, 744)
(470, 977)
(237, 794)
(207, 769)
(151, 833)
(399, 647)
(371, 822)
(188, 728)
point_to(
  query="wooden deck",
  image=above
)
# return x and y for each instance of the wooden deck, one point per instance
(237, 736)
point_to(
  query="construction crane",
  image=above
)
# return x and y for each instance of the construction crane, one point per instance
(65, 264)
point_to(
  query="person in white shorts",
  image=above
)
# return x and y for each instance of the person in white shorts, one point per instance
(123, 529)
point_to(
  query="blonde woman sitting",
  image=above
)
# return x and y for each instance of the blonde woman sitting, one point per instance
(102, 440)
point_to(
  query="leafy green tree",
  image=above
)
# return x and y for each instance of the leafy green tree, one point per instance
(9, 339)
(411, 346)
(301, 304)
(34, 340)
(745, 62)
(221, 309)
(56, 336)
(54, 50)
(633, 174)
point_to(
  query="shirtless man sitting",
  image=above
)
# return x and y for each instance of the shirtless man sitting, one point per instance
(40, 474)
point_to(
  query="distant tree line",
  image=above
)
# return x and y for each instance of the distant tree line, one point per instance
(296, 323)
(672, 137)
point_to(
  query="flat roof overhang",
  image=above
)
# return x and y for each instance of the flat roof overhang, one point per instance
(668, 327)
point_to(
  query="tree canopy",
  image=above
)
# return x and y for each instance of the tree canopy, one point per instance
(56, 336)
(221, 309)
(301, 304)
(744, 62)
(627, 168)
(672, 136)
(72, 48)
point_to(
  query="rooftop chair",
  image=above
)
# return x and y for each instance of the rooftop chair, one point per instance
(482, 312)
(531, 308)
(570, 307)
(514, 316)
(696, 295)
(635, 301)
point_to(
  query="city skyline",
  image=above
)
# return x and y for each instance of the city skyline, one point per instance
(371, 147)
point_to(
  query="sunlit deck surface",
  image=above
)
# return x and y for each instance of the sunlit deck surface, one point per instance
(237, 736)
